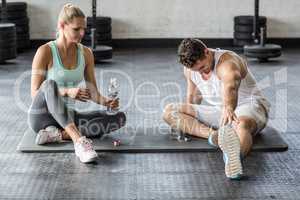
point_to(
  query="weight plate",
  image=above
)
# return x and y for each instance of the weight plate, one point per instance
(99, 42)
(7, 54)
(245, 28)
(265, 48)
(102, 52)
(12, 6)
(243, 36)
(15, 15)
(262, 55)
(99, 20)
(23, 44)
(8, 45)
(106, 36)
(20, 22)
(99, 29)
(7, 35)
(248, 19)
(7, 26)
(240, 43)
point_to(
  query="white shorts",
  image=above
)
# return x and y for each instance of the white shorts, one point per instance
(210, 115)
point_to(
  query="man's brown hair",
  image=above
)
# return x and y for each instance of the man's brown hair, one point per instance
(190, 50)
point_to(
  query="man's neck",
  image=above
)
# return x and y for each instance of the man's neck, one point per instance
(212, 56)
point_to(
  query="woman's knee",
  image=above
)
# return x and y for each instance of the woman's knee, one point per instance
(49, 85)
(32, 126)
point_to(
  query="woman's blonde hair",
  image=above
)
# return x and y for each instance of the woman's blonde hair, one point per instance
(69, 12)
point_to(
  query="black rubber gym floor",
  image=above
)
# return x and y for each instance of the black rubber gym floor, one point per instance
(270, 175)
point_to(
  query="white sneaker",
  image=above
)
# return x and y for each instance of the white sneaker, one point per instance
(230, 145)
(84, 150)
(48, 135)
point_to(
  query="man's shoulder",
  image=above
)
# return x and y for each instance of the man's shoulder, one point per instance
(231, 59)
(187, 72)
(228, 55)
(230, 62)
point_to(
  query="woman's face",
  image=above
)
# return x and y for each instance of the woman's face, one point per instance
(74, 30)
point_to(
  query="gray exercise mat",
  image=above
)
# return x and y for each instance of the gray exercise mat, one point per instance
(150, 140)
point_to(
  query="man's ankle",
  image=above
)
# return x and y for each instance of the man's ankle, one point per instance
(213, 137)
(214, 134)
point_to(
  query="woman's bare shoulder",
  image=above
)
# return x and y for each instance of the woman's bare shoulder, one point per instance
(44, 50)
(43, 56)
(87, 50)
(88, 54)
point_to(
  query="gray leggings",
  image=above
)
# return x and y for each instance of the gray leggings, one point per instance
(48, 108)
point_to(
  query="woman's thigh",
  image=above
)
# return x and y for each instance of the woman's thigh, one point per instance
(38, 114)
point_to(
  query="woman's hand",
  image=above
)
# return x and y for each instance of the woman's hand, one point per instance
(81, 94)
(112, 103)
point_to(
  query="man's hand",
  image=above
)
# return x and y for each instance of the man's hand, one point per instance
(81, 94)
(112, 103)
(228, 116)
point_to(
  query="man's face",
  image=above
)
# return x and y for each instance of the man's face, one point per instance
(203, 65)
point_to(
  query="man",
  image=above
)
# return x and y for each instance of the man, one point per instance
(236, 108)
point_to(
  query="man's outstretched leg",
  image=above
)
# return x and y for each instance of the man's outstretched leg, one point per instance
(245, 130)
(236, 142)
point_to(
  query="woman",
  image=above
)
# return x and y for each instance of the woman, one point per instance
(57, 69)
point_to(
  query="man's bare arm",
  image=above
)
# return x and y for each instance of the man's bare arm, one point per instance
(193, 94)
(230, 76)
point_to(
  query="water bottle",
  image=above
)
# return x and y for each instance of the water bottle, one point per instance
(176, 133)
(113, 92)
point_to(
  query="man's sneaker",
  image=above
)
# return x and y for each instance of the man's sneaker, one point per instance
(48, 135)
(84, 150)
(212, 139)
(230, 145)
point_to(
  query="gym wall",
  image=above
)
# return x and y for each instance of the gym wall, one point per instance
(171, 18)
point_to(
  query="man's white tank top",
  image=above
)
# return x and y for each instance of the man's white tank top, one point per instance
(212, 89)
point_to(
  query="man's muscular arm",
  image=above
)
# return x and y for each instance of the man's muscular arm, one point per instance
(230, 77)
(193, 94)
